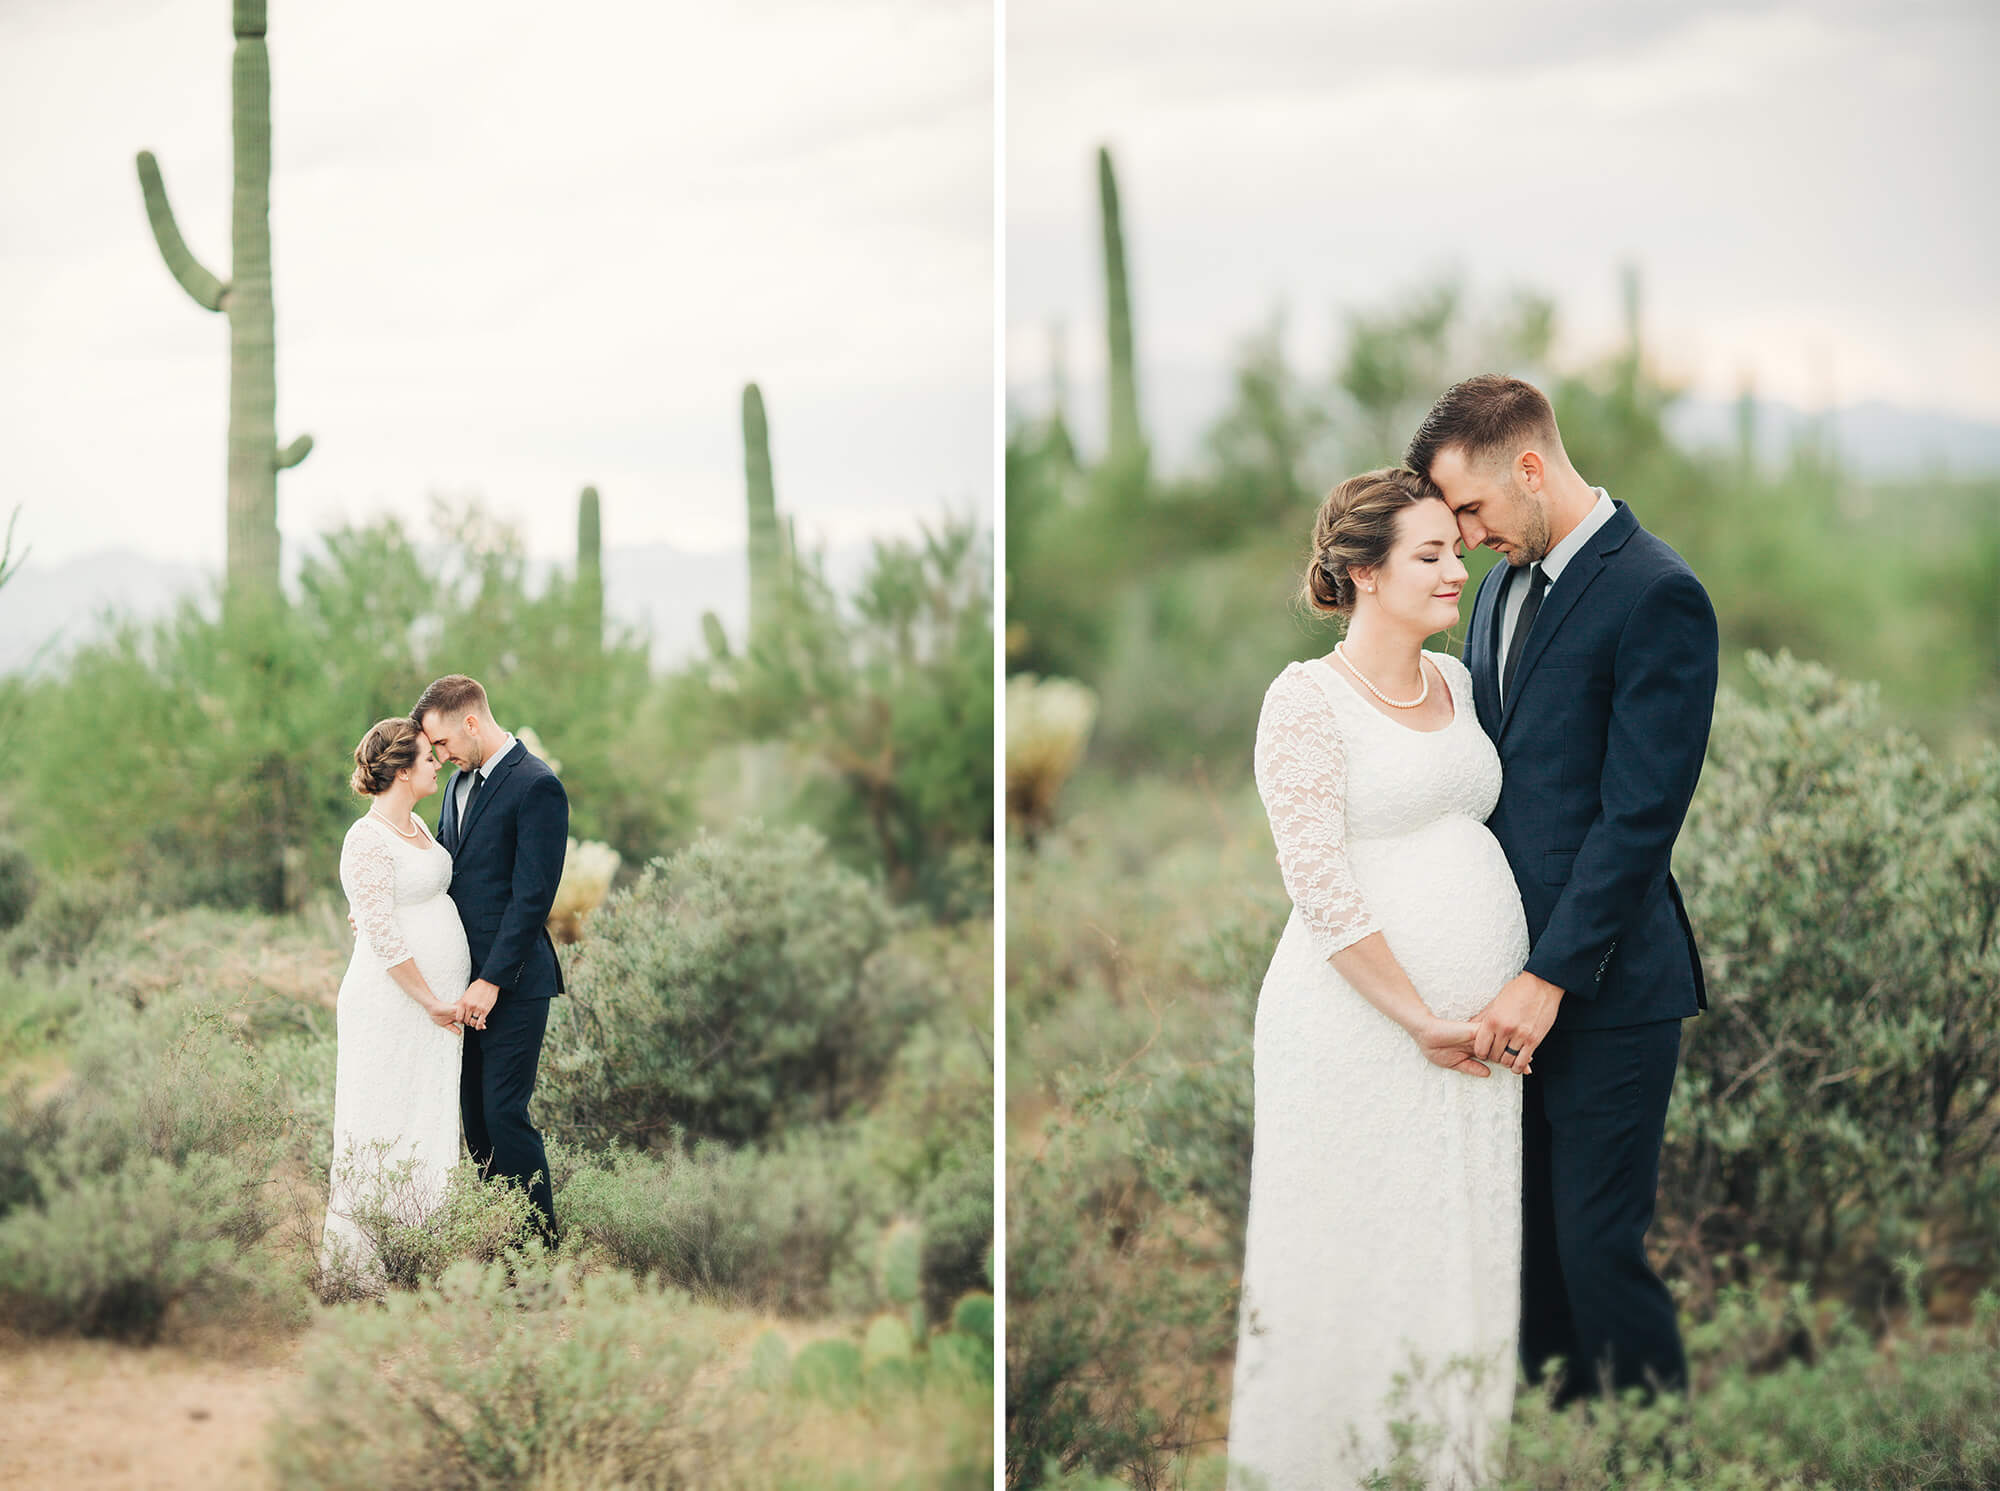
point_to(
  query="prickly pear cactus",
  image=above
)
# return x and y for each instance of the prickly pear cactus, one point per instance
(827, 1369)
(255, 458)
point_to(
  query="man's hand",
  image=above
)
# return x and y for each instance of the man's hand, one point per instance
(1519, 1016)
(1448, 1043)
(480, 997)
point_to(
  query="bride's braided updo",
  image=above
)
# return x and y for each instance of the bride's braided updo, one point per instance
(389, 746)
(1355, 529)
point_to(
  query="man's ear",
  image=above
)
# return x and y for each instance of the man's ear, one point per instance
(1533, 470)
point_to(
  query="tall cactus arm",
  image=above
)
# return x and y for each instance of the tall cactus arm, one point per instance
(294, 453)
(206, 289)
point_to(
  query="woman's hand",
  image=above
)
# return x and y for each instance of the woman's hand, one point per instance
(443, 1015)
(1448, 1043)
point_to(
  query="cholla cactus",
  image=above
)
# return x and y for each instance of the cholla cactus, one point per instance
(586, 880)
(1048, 725)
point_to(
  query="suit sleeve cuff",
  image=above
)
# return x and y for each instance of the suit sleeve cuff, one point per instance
(1577, 976)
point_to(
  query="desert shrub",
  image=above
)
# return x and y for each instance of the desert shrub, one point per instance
(137, 1189)
(1829, 1409)
(489, 1381)
(783, 1230)
(417, 1234)
(955, 1215)
(302, 1067)
(66, 914)
(1837, 1104)
(18, 884)
(1117, 1310)
(736, 988)
(113, 1253)
(174, 1080)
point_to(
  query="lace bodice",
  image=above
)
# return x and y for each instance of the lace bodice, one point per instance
(1333, 769)
(381, 871)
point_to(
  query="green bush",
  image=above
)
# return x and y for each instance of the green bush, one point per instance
(955, 1214)
(1116, 1311)
(113, 1253)
(173, 1080)
(136, 1193)
(18, 884)
(64, 918)
(492, 1379)
(781, 1230)
(735, 989)
(416, 1235)
(1837, 1105)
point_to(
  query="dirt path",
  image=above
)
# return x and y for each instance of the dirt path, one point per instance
(80, 1415)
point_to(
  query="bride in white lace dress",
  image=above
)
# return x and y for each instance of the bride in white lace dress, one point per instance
(395, 1101)
(1384, 1231)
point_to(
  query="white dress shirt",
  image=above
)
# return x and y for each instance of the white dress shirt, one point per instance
(462, 783)
(1553, 564)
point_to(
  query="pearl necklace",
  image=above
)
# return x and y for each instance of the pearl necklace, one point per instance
(1423, 676)
(413, 833)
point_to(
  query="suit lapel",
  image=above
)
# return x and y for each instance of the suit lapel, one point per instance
(448, 817)
(1562, 597)
(494, 779)
(1480, 645)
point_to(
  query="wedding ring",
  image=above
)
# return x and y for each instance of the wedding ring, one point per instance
(1513, 1050)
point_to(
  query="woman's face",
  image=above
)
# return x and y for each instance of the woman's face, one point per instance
(1419, 583)
(423, 776)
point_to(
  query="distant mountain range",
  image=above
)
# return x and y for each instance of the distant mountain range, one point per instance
(47, 610)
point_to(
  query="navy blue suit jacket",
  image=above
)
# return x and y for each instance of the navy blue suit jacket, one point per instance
(1601, 743)
(506, 862)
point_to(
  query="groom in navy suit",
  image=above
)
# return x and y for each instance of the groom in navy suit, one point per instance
(1593, 660)
(505, 822)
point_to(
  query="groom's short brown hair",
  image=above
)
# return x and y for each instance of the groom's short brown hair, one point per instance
(454, 696)
(1485, 416)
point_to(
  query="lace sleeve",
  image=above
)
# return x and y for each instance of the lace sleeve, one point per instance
(368, 875)
(1301, 767)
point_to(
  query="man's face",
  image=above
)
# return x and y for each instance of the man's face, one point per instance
(456, 741)
(1495, 504)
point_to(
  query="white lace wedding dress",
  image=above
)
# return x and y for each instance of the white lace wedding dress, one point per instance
(395, 1094)
(1385, 1192)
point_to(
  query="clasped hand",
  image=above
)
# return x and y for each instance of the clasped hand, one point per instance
(477, 1003)
(1517, 1019)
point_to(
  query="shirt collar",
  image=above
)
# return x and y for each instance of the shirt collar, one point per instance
(485, 768)
(1573, 541)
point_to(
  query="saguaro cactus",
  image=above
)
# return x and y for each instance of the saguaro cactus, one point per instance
(1126, 447)
(589, 571)
(767, 545)
(255, 458)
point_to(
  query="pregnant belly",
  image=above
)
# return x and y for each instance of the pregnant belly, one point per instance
(436, 940)
(1447, 905)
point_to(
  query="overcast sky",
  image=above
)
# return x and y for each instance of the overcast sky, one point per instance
(1808, 189)
(517, 248)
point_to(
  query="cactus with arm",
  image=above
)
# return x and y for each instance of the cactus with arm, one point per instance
(255, 458)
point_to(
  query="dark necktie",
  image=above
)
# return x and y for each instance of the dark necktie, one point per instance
(465, 812)
(1522, 625)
